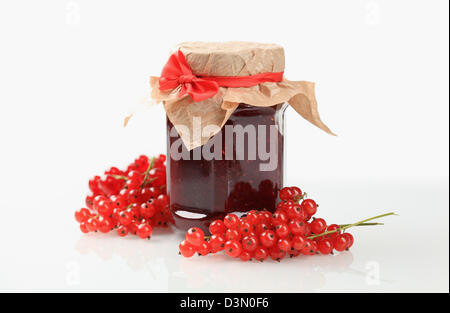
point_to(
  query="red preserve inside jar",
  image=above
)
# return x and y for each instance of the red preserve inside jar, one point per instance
(205, 189)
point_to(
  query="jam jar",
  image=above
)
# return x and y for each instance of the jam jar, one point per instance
(246, 174)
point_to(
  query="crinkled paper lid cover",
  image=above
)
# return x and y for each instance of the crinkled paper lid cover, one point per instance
(234, 59)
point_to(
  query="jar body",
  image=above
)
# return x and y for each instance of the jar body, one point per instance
(237, 170)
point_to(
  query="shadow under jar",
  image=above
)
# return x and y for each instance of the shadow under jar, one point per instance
(245, 175)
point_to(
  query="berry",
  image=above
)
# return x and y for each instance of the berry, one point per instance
(204, 248)
(282, 230)
(122, 231)
(144, 231)
(231, 221)
(284, 244)
(195, 236)
(318, 226)
(286, 194)
(267, 238)
(298, 242)
(83, 228)
(325, 246)
(217, 243)
(341, 243)
(309, 206)
(147, 210)
(249, 243)
(233, 248)
(217, 227)
(186, 249)
(350, 240)
(260, 253)
(82, 215)
(232, 234)
(245, 256)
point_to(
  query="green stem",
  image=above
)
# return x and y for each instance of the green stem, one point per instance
(150, 166)
(341, 228)
(120, 177)
(364, 224)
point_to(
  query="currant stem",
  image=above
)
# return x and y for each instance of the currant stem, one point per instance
(150, 166)
(350, 225)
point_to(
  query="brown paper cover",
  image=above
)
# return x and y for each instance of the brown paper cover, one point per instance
(234, 59)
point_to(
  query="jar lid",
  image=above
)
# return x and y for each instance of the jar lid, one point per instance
(233, 58)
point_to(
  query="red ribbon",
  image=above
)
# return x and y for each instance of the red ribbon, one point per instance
(177, 72)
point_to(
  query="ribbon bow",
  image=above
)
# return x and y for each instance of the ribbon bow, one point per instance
(177, 72)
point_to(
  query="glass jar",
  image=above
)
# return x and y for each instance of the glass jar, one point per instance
(246, 174)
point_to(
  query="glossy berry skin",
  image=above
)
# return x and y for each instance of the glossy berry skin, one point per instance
(297, 227)
(279, 217)
(267, 238)
(350, 240)
(232, 234)
(309, 206)
(265, 217)
(286, 194)
(341, 243)
(252, 217)
(186, 249)
(249, 243)
(260, 253)
(276, 254)
(318, 226)
(310, 248)
(147, 210)
(284, 244)
(83, 228)
(245, 256)
(122, 231)
(245, 228)
(282, 230)
(332, 227)
(298, 242)
(325, 246)
(92, 224)
(217, 243)
(204, 248)
(82, 215)
(144, 231)
(217, 227)
(297, 193)
(195, 236)
(233, 248)
(231, 221)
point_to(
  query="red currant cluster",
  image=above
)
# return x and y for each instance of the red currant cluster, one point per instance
(291, 230)
(131, 201)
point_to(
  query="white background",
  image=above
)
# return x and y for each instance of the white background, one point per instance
(70, 71)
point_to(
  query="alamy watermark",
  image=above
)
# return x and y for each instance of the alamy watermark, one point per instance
(232, 142)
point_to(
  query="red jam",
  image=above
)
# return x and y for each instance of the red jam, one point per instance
(202, 190)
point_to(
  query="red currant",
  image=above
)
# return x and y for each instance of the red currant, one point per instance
(233, 248)
(325, 246)
(231, 221)
(341, 243)
(144, 231)
(217, 243)
(186, 249)
(260, 253)
(249, 243)
(195, 236)
(217, 227)
(82, 215)
(309, 206)
(318, 226)
(267, 238)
